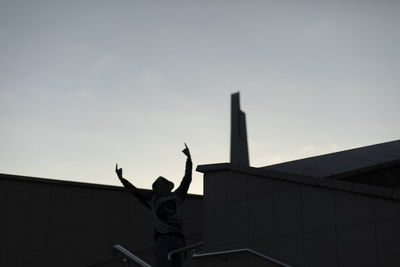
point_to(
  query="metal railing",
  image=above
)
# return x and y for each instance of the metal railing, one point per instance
(129, 256)
(180, 250)
(126, 255)
(248, 250)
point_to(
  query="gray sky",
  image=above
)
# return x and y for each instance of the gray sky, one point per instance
(87, 84)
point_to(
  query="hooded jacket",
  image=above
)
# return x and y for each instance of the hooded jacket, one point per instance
(166, 208)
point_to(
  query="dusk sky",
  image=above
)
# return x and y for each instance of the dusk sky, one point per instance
(88, 84)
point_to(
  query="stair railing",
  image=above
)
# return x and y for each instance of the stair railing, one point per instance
(180, 250)
(129, 256)
(248, 250)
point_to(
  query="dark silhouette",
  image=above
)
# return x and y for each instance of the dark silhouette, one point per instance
(165, 207)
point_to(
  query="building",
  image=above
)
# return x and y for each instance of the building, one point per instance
(305, 220)
(340, 209)
(47, 223)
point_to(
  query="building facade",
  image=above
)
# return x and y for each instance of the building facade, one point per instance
(47, 223)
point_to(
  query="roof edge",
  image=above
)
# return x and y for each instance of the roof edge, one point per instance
(371, 190)
(332, 153)
(30, 179)
(376, 167)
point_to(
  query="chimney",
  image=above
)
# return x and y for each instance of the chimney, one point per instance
(239, 149)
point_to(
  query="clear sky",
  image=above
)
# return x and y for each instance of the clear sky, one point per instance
(87, 84)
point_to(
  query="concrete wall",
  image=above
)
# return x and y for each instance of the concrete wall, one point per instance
(55, 223)
(302, 225)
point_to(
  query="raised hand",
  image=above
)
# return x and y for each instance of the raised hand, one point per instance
(118, 171)
(186, 151)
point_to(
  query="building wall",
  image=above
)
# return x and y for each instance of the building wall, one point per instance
(54, 223)
(301, 225)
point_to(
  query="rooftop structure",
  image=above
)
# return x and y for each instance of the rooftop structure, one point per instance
(239, 148)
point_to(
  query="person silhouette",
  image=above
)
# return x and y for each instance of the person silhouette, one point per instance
(165, 207)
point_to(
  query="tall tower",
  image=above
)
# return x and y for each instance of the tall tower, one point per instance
(239, 149)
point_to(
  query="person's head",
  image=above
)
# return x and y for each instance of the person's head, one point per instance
(162, 186)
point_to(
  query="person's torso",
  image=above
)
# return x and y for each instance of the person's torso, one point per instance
(166, 213)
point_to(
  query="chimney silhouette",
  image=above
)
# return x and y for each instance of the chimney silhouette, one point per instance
(239, 149)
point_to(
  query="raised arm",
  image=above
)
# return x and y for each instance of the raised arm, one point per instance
(143, 197)
(181, 191)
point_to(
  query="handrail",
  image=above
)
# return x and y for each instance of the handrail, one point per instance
(179, 250)
(129, 255)
(200, 254)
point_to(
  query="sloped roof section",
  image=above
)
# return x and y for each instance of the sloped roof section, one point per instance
(330, 165)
